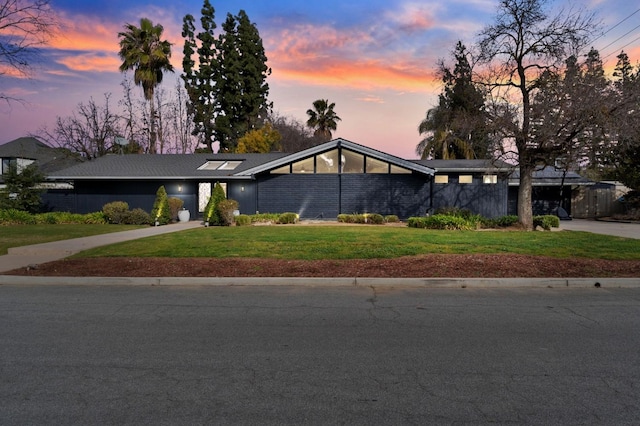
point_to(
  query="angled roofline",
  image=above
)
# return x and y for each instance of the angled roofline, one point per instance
(337, 143)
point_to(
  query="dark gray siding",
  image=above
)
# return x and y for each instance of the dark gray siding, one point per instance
(245, 194)
(59, 200)
(402, 195)
(311, 196)
(92, 195)
(489, 200)
(325, 196)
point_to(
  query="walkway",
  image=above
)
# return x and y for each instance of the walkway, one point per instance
(617, 229)
(21, 257)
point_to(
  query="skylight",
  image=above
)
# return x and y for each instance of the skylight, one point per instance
(220, 165)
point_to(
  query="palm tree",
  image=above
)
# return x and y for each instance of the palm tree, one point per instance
(440, 142)
(323, 119)
(142, 50)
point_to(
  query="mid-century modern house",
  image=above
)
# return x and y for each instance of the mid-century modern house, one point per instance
(320, 182)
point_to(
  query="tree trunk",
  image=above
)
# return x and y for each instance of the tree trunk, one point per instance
(525, 210)
(152, 127)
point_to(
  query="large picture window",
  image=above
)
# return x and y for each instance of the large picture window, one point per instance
(341, 161)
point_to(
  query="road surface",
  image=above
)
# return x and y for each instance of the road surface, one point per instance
(315, 355)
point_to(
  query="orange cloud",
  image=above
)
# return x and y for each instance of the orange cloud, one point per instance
(413, 18)
(91, 62)
(360, 74)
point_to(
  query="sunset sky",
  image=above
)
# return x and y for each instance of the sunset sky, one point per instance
(375, 59)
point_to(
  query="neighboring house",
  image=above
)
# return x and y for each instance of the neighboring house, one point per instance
(336, 177)
(320, 182)
(25, 151)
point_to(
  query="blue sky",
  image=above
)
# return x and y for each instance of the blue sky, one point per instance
(374, 59)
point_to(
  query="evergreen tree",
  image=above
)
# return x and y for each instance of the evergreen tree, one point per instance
(22, 188)
(200, 82)
(241, 87)
(228, 90)
(161, 211)
(456, 127)
(211, 214)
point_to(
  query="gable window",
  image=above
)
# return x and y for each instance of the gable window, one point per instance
(441, 179)
(328, 162)
(397, 170)
(341, 161)
(304, 166)
(377, 166)
(490, 179)
(282, 170)
(353, 162)
(465, 179)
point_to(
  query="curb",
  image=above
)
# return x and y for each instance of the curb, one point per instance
(327, 282)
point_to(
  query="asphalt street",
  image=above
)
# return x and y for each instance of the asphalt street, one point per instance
(318, 355)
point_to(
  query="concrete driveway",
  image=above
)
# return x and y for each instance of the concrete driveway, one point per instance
(617, 229)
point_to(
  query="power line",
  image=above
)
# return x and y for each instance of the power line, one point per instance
(622, 36)
(615, 26)
(622, 48)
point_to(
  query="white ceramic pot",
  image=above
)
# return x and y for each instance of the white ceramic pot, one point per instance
(184, 215)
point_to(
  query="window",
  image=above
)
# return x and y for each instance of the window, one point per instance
(352, 162)
(327, 162)
(377, 166)
(465, 179)
(441, 179)
(396, 170)
(230, 165)
(304, 166)
(282, 170)
(490, 179)
(220, 165)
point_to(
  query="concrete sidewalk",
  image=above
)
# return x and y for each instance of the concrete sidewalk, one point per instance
(22, 257)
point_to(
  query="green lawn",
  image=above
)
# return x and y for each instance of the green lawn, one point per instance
(358, 242)
(24, 235)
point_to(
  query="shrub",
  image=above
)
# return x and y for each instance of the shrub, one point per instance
(344, 218)
(175, 204)
(546, 222)
(287, 218)
(16, 217)
(161, 213)
(441, 221)
(96, 218)
(224, 210)
(137, 217)
(243, 220)
(374, 218)
(265, 217)
(506, 221)
(115, 211)
(48, 218)
(391, 218)
(454, 211)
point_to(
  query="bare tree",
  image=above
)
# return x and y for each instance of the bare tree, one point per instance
(522, 46)
(90, 131)
(24, 27)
